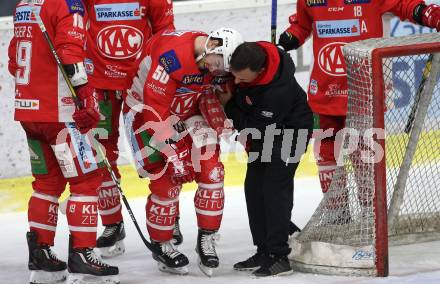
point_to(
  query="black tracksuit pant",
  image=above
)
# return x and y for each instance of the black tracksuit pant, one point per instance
(269, 199)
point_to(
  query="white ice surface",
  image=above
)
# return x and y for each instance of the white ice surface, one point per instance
(408, 264)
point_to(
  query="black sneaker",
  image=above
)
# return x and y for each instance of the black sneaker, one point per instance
(252, 263)
(274, 265)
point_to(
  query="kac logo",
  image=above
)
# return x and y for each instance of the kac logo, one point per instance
(119, 41)
(331, 59)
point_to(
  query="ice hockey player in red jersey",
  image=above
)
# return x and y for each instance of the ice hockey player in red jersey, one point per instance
(333, 24)
(182, 119)
(60, 151)
(117, 31)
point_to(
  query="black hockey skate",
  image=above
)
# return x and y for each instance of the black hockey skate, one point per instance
(177, 234)
(208, 259)
(111, 243)
(252, 263)
(274, 265)
(170, 259)
(86, 267)
(45, 267)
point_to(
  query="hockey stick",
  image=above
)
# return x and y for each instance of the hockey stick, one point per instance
(412, 114)
(273, 23)
(78, 105)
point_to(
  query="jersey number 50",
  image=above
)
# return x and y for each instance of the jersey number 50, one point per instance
(160, 75)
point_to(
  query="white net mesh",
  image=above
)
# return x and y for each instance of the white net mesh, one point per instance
(341, 237)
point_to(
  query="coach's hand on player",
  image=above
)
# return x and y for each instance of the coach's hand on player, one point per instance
(431, 16)
(178, 157)
(87, 116)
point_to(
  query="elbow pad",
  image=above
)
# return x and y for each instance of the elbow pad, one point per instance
(76, 73)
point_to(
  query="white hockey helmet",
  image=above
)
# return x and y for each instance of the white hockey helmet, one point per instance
(228, 39)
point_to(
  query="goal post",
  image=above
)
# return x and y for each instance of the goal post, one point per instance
(380, 162)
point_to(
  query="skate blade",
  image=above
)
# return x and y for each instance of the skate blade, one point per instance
(208, 271)
(45, 277)
(117, 249)
(78, 278)
(177, 270)
(247, 269)
(285, 273)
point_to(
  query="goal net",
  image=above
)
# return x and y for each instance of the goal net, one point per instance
(386, 189)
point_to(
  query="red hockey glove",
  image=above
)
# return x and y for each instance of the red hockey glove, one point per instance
(178, 157)
(431, 16)
(212, 112)
(86, 117)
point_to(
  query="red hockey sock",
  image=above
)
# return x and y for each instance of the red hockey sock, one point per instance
(209, 202)
(161, 216)
(109, 203)
(43, 216)
(82, 217)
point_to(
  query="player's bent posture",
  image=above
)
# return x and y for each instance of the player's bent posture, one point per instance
(117, 31)
(332, 25)
(60, 150)
(268, 100)
(171, 97)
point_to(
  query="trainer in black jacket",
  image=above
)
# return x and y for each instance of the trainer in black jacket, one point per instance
(269, 100)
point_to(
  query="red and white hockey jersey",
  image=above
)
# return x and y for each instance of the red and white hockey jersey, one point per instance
(169, 81)
(174, 81)
(118, 30)
(41, 93)
(335, 23)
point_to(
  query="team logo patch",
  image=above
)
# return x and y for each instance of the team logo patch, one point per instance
(88, 64)
(119, 41)
(192, 79)
(174, 192)
(339, 28)
(25, 14)
(117, 12)
(184, 101)
(316, 3)
(348, 2)
(169, 61)
(313, 89)
(75, 6)
(331, 59)
(267, 114)
(217, 174)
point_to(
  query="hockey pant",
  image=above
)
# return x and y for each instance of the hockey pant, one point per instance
(109, 202)
(59, 154)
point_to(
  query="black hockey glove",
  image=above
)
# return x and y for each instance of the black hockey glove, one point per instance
(288, 41)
